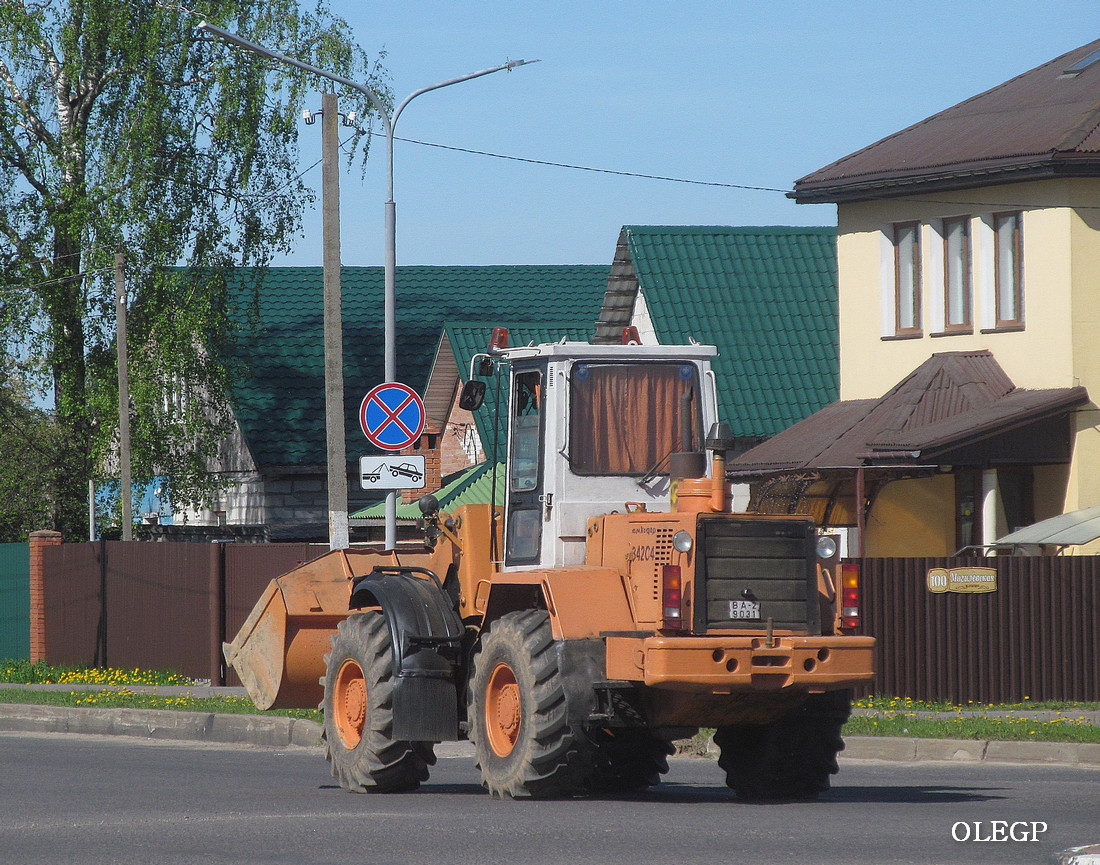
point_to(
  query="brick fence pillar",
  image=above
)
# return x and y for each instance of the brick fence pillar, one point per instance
(38, 543)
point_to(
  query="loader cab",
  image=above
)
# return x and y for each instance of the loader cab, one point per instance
(590, 431)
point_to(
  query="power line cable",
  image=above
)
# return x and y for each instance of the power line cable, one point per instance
(590, 168)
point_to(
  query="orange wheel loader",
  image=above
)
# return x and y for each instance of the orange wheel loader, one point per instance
(610, 604)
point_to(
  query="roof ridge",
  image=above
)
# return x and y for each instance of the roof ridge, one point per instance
(730, 229)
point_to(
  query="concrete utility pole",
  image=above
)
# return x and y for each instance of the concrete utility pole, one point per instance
(338, 538)
(123, 396)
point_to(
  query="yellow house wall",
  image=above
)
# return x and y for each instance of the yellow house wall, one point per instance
(924, 508)
(1039, 356)
(1083, 488)
(1058, 347)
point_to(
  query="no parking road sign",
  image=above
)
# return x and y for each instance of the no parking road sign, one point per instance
(392, 416)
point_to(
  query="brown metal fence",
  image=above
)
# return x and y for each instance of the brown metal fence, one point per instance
(1036, 637)
(170, 606)
(156, 605)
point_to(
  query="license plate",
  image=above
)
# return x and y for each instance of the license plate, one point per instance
(744, 609)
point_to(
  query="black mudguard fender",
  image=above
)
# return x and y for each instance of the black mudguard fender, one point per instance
(426, 633)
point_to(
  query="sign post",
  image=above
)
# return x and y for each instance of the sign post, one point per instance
(392, 418)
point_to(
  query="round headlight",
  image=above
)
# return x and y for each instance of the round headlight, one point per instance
(826, 547)
(682, 541)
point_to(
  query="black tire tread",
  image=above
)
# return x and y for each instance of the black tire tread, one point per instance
(378, 763)
(628, 760)
(551, 759)
(792, 758)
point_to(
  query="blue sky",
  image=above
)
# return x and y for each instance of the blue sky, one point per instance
(734, 92)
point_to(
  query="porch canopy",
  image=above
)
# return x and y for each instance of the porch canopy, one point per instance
(1076, 527)
(955, 409)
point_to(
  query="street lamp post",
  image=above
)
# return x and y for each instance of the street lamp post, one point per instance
(390, 122)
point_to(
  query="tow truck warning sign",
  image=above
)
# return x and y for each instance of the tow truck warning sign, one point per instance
(391, 473)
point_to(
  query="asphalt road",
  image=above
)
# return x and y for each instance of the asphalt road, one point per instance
(98, 799)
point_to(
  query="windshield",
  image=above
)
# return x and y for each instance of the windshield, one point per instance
(627, 418)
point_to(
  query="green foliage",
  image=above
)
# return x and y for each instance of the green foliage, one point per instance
(121, 126)
(27, 444)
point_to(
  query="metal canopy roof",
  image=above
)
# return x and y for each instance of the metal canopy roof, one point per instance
(1076, 527)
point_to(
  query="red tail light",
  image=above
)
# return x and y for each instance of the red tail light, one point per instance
(849, 595)
(672, 597)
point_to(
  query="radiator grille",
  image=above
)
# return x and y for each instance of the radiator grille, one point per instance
(766, 567)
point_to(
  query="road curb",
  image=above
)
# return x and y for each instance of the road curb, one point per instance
(168, 724)
(904, 749)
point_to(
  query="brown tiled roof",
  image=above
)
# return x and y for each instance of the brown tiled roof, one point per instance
(952, 400)
(1040, 124)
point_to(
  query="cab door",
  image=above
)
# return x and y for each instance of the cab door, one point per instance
(526, 480)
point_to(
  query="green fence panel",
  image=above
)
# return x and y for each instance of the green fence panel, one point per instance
(15, 601)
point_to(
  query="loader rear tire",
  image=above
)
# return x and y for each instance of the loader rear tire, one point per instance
(791, 758)
(519, 725)
(358, 712)
(628, 760)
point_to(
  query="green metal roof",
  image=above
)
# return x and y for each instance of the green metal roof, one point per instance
(766, 296)
(279, 401)
(470, 486)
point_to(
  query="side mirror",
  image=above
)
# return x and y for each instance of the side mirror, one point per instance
(472, 396)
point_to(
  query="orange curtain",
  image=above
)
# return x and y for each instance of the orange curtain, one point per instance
(626, 418)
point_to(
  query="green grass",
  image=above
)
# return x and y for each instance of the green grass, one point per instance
(125, 698)
(897, 716)
(1012, 729)
(905, 704)
(23, 672)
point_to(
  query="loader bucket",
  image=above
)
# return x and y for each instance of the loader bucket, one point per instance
(279, 651)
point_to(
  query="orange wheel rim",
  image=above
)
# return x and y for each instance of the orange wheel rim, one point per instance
(349, 704)
(503, 710)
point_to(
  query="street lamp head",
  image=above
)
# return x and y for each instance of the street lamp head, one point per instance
(512, 64)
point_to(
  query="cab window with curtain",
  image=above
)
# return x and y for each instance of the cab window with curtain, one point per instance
(627, 418)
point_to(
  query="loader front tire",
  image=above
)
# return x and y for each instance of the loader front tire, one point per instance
(791, 758)
(519, 725)
(358, 712)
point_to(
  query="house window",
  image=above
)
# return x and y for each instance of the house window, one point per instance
(1008, 270)
(956, 275)
(907, 301)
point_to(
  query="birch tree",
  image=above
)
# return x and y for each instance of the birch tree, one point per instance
(122, 127)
